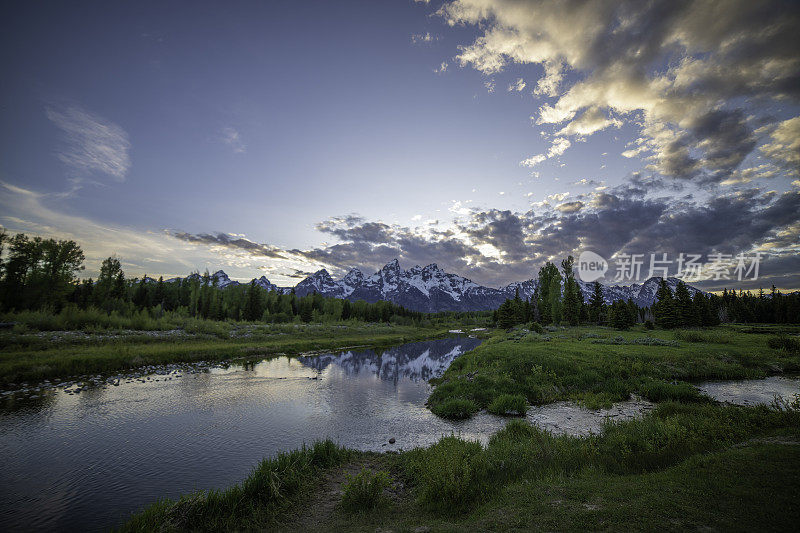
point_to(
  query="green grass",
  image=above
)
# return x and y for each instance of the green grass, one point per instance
(509, 405)
(599, 366)
(273, 487)
(40, 358)
(364, 491)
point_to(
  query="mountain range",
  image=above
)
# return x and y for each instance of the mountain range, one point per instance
(430, 289)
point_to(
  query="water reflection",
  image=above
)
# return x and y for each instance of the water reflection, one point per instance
(415, 361)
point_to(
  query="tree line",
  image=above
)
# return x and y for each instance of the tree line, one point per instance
(557, 299)
(37, 274)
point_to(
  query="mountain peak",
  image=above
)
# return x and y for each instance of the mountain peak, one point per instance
(394, 264)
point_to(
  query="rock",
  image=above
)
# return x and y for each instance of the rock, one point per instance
(392, 441)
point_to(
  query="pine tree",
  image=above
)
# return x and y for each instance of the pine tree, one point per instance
(505, 315)
(684, 307)
(620, 315)
(596, 303)
(572, 299)
(253, 309)
(664, 309)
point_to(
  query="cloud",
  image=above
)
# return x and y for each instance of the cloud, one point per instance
(784, 145)
(232, 138)
(90, 143)
(442, 68)
(424, 38)
(570, 207)
(517, 86)
(693, 77)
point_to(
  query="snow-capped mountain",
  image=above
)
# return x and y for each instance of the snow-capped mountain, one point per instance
(430, 289)
(221, 278)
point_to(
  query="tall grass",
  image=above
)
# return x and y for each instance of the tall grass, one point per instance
(364, 491)
(455, 474)
(274, 486)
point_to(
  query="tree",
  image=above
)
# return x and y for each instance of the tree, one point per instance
(253, 309)
(620, 315)
(596, 303)
(572, 296)
(683, 306)
(549, 293)
(505, 315)
(110, 282)
(306, 310)
(664, 309)
(37, 272)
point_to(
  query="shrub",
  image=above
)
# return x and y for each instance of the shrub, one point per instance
(455, 408)
(509, 404)
(364, 491)
(648, 324)
(537, 328)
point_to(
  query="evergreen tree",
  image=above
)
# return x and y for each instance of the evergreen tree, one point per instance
(683, 306)
(596, 303)
(620, 317)
(572, 297)
(505, 315)
(252, 307)
(664, 309)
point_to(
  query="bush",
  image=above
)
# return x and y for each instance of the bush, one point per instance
(509, 404)
(364, 491)
(455, 409)
(537, 328)
(648, 324)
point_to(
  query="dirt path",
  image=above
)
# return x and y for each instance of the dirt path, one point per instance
(321, 505)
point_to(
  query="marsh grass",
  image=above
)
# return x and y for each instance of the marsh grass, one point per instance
(454, 475)
(274, 486)
(597, 367)
(364, 491)
(509, 405)
(455, 408)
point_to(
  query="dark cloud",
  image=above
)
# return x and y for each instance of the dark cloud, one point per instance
(228, 241)
(619, 221)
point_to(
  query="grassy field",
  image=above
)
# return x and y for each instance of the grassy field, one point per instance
(598, 366)
(690, 463)
(33, 356)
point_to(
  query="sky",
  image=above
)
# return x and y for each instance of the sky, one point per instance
(487, 136)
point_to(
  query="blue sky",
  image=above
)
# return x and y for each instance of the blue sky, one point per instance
(485, 135)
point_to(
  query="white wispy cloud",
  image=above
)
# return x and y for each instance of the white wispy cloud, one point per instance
(90, 143)
(232, 138)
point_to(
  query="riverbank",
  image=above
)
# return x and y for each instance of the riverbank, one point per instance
(682, 466)
(36, 356)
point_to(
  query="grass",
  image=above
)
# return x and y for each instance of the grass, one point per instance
(364, 491)
(509, 405)
(273, 487)
(599, 366)
(32, 357)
